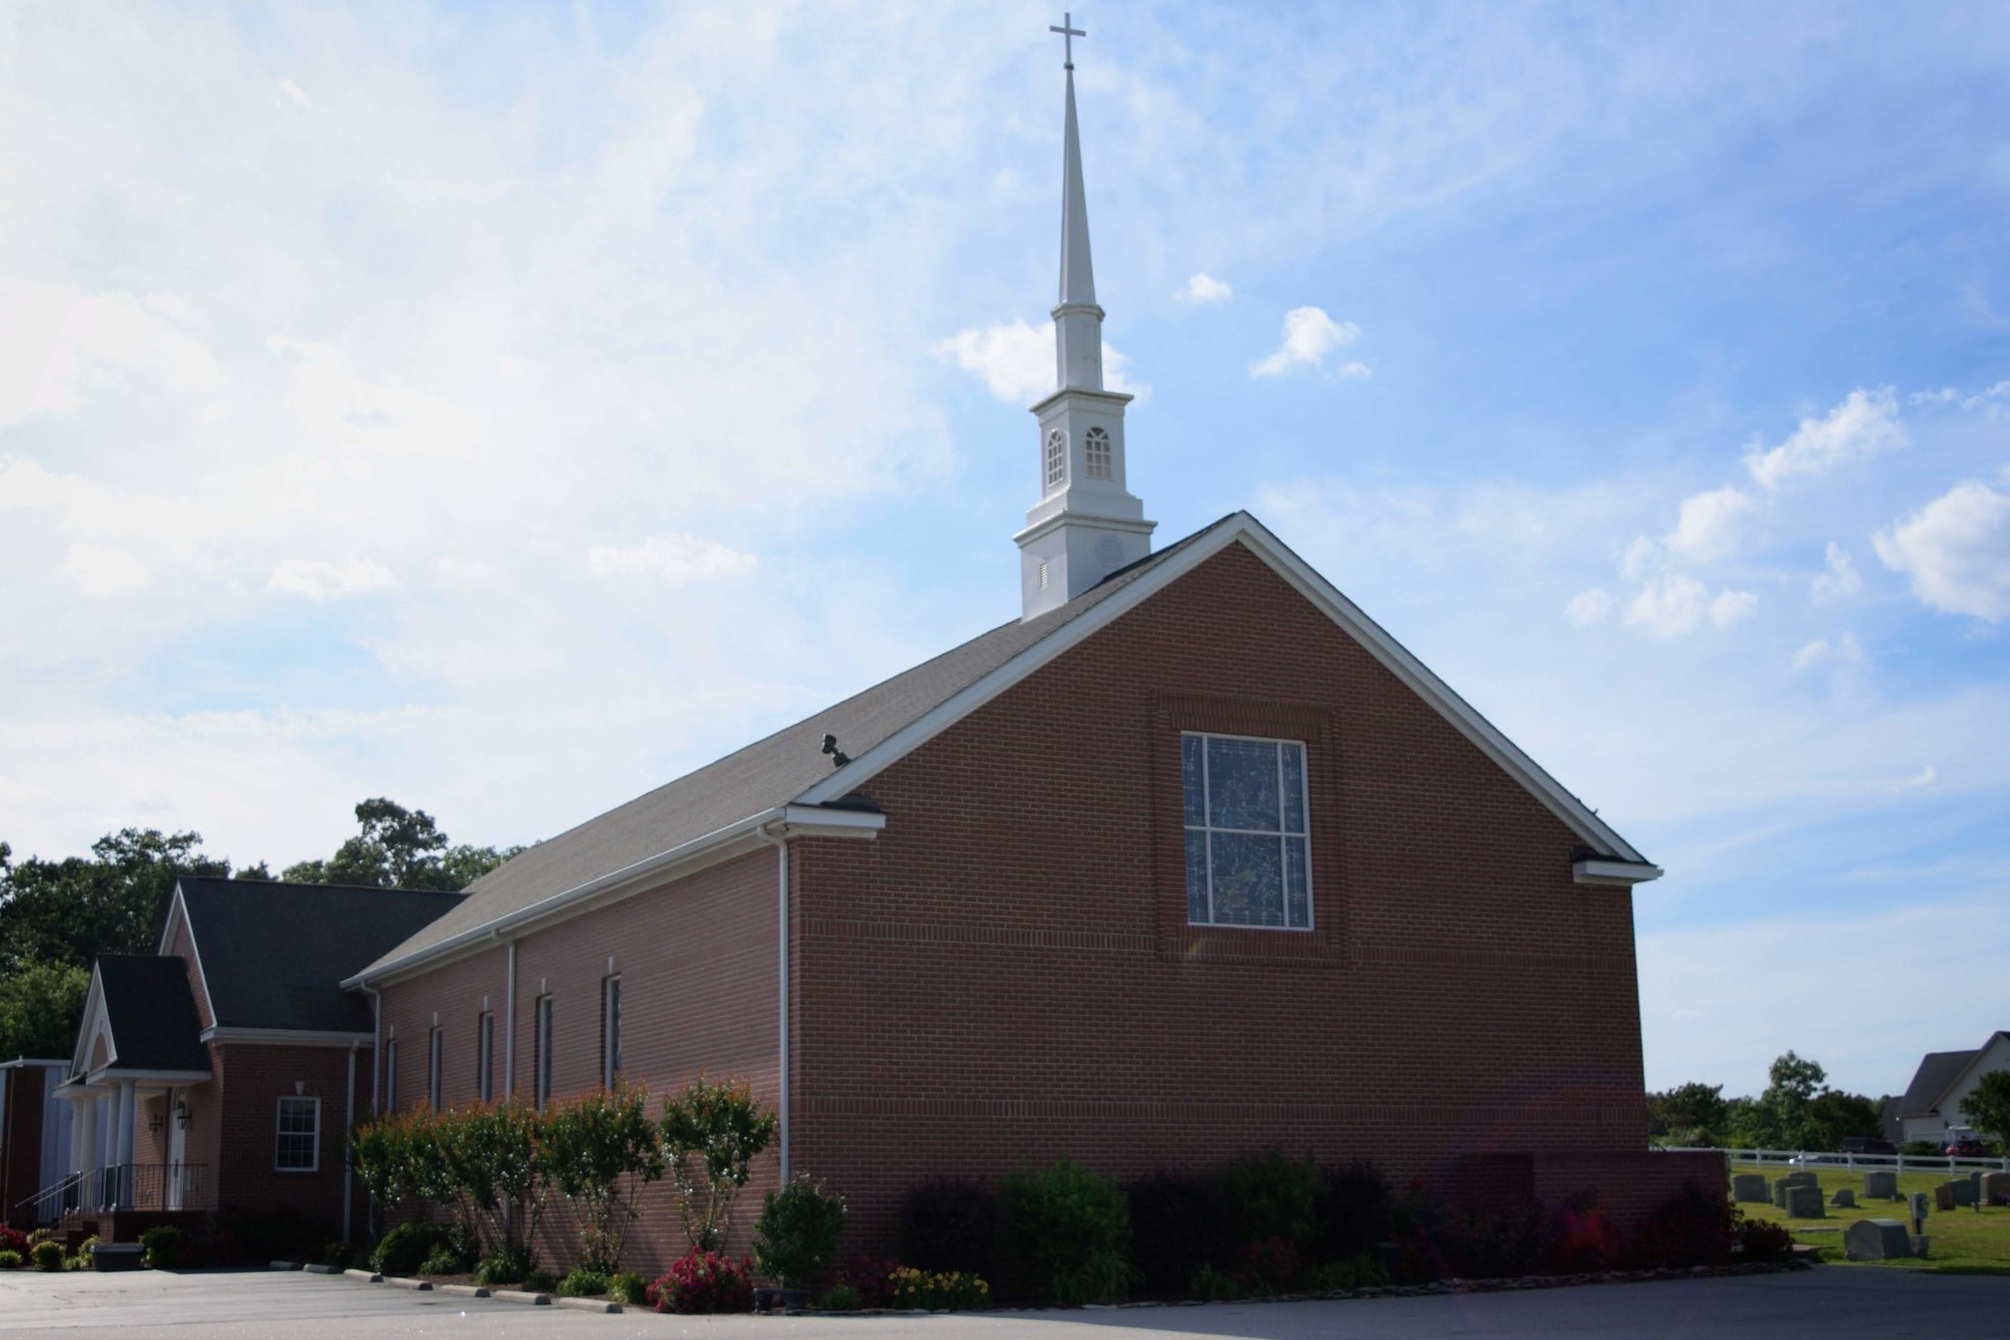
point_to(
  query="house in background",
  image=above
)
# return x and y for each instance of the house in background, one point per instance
(1932, 1102)
(221, 1072)
(34, 1135)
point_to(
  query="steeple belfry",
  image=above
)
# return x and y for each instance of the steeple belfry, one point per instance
(1086, 524)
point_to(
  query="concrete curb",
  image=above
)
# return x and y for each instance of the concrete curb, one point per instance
(522, 1296)
(282, 1265)
(315, 1268)
(422, 1286)
(588, 1304)
(367, 1276)
(465, 1290)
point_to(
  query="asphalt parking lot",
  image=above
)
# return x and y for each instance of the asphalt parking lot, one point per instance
(1822, 1304)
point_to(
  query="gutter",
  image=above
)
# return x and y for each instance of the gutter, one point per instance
(821, 820)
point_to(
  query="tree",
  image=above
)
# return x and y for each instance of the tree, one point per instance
(1695, 1112)
(399, 848)
(1835, 1116)
(69, 911)
(1783, 1109)
(1988, 1107)
(712, 1133)
(41, 1005)
(603, 1149)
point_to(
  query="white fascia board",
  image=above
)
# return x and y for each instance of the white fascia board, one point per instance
(112, 1073)
(722, 844)
(283, 1037)
(94, 1011)
(1613, 874)
(178, 908)
(1245, 529)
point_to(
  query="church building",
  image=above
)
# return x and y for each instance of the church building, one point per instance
(1188, 860)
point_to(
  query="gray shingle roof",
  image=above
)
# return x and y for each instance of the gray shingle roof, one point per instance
(765, 774)
(1936, 1071)
(152, 1015)
(273, 955)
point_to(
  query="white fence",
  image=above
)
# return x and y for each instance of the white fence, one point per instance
(1804, 1158)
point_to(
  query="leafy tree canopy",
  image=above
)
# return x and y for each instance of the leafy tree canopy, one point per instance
(40, 1007)
(1695, 1111)
(67, 911)
(1988, 1108)
(397, 848)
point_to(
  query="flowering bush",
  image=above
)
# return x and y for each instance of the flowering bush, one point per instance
(704, 1281)
(1584, 1241)
(1271, 1265)
(871, 1278)
(948, 1290)
(13, 1240)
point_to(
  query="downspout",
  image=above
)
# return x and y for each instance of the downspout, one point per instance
(348, 1127)
(781, 846)
(509, 1029)
(376, 1049)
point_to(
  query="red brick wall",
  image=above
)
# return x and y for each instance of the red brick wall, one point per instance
(1006, 975)
(698, 963)
(21, 1160)
(241, 1108)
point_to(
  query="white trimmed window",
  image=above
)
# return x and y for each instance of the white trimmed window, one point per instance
(485, 1051)
(610, 1031)
(1096, 453)
(297, 1144)
(391, 1075)
(542, 1092)
(1057, 459)
(435, 1063)
(1248, 854)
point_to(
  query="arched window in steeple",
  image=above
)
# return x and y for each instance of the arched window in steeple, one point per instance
(1096, 453)
(1057, 459)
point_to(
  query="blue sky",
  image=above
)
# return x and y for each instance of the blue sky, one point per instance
(505, 409)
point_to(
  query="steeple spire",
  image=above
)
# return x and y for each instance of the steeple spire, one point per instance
(1086, 524)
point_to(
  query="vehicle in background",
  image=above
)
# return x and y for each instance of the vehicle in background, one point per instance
(1964, 1143)
(1857, 1144)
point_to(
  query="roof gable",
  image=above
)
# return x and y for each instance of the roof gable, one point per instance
(1935, 1076)
(750, 787)
(139, 1017)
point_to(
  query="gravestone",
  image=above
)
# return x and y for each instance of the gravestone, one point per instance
(1880, 1186)
(1844, 1199)
(1876, 1240)
(1964, 1191)
(1950, 1194)
(1780, 1193)
(1919, 1212)
(1996, 1189)
(1804, 1202)
(1749, 1189)
(1802, 1179)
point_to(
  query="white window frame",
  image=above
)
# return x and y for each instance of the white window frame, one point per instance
(391, 1074)
(1099, 453)
(485, 1042)
(436, 1046)
(279, 1133)
(1282, 833)
(610, 1030)
(542, 1091)
(1055, 472)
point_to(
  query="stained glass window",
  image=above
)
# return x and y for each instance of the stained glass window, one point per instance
(1248, 861)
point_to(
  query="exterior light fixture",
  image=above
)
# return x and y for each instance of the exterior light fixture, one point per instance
(153, 1123)
(181, 1115)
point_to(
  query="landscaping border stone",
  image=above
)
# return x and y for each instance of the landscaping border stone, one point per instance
(588, 1304)
(522, 1296)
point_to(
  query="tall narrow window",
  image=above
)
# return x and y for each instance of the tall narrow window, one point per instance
(391, 1075)
(542, 1092)
(610, 1031)
(1096, 453)
(297, 1144)
(485, 1050)
(1247, 857)
(435, 1063)
(1057, 459)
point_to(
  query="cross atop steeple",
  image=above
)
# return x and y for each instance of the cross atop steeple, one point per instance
(1068, 35)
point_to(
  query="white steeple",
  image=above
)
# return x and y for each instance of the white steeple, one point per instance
(1086, 525)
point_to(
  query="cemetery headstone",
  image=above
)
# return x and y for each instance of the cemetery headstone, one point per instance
(1844, 1199)
(1996, 1188)
(1943, 1196)
(1963, 1191)
(1803, 1179)
(1919, 1212)
(1805, 1202)
(1749, 1189)
(1780, 1193)
(1876, 1240)
(1880, 1186)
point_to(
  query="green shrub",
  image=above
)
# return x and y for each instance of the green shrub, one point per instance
(1351, 1211)
(512, 1265)
(1179, 1223)
(1273, 1196)
(82, 1259)
(796, 1237)
(48, 1256)
(603, 1149)
(406, 1248)
(341, 1255)
(1353, 1272)
(539, 1281)
(940, 1291)
(583, 1283)
(162, 1246)
(444, 1261)
(9, 1259)
(1214, 1286)
(712, 1133)
(628, 1287)
(949, 1225)
(1072, 1228)
(838, 1298)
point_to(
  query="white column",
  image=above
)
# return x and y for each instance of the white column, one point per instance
(129, 1110)
(76, 1135)
(87, 1155)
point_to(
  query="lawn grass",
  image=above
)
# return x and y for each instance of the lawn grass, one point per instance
(1965, 1241)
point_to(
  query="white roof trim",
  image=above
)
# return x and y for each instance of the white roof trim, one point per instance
(95, 1021)
(290, 1037)
(1610, 874)
(178, 907)
(1245, 529)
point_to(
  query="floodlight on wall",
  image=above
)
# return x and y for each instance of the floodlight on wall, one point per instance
(181, 1114)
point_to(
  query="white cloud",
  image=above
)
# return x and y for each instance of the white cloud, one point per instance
(1956, 549)
(1589, 607)
(1990, 401)
(1814, 653)
(1205, 289)
(294, 92)
(1017, 361)
(1846, 650)
(671, 558)
(1732, 607)
(1866, 422)
(1709, 523)
(105, 570)
(1841, 580)
(318, 579)
(331, 398)
(1669, 606)
(1922, 779)
(60, 345)
(1309, 336)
